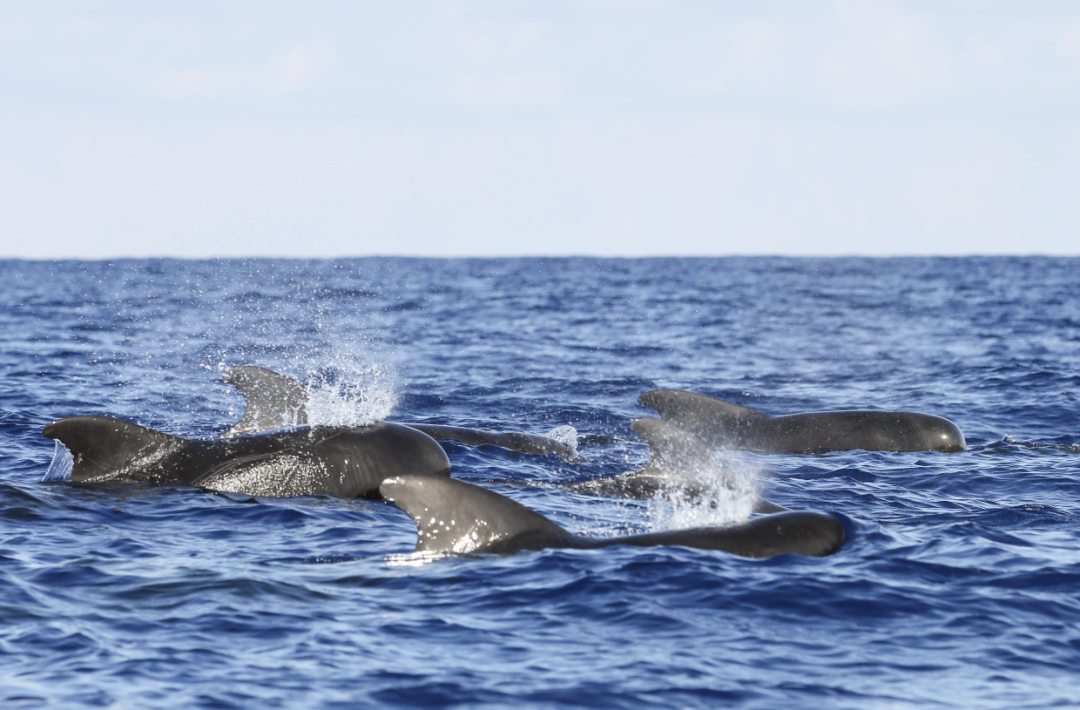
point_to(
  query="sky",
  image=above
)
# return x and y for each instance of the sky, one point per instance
(615, 128)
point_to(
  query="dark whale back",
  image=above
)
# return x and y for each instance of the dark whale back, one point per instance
(792, 532)
(346, 462)
(338, 461)
(860, 429)
(513, 440)
(727, 425)
(107, 449)
(454, 517)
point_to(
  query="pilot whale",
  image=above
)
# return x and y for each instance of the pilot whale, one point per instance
(453, 517)
(727, 425)
(275, 400)
(337, 461)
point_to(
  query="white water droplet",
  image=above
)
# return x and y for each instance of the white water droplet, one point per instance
(722, 490)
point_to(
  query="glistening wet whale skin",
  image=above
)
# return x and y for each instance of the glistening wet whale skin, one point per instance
(275, 400)
(724, 424)
(337, 461)
(453, 517)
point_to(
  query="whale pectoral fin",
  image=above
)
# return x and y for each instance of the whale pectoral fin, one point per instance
(456, 517)
(104, 448)
(273, 400)
(513, 440)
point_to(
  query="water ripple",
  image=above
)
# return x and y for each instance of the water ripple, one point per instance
(957, 587)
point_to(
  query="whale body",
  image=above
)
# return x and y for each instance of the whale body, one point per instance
(453, 517)
(275, 400)
(727, 425)
(338, 461)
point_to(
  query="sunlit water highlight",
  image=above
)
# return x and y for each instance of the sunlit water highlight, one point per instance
(958, 589)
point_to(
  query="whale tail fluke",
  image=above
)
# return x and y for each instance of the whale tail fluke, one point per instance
(110, 449)
(273, 400)
(453, 517)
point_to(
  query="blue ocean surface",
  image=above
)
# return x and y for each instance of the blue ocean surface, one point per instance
(959, 587)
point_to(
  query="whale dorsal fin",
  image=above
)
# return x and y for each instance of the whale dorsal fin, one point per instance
(273, 400)
(682, 406)
(674, 449)
(456, 517)
(107, 449)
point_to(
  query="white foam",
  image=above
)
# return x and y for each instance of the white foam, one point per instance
(414, 559)
(721, 490)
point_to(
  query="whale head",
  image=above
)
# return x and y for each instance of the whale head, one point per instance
(949, 439)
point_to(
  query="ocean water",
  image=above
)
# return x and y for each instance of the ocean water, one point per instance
(960, 587)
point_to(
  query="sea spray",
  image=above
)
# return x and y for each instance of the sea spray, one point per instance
(722, 489)
(567, 435)
(351, 394)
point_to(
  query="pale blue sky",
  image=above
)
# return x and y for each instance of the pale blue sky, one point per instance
(505, 128)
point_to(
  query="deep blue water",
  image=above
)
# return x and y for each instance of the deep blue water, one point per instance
(960, 589)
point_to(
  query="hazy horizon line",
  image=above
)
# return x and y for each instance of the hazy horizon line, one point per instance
(495, 257)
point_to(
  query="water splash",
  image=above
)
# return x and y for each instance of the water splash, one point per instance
(414, 559)
(720, 490)
(567, 436)
(353, 395)
(61, 465)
